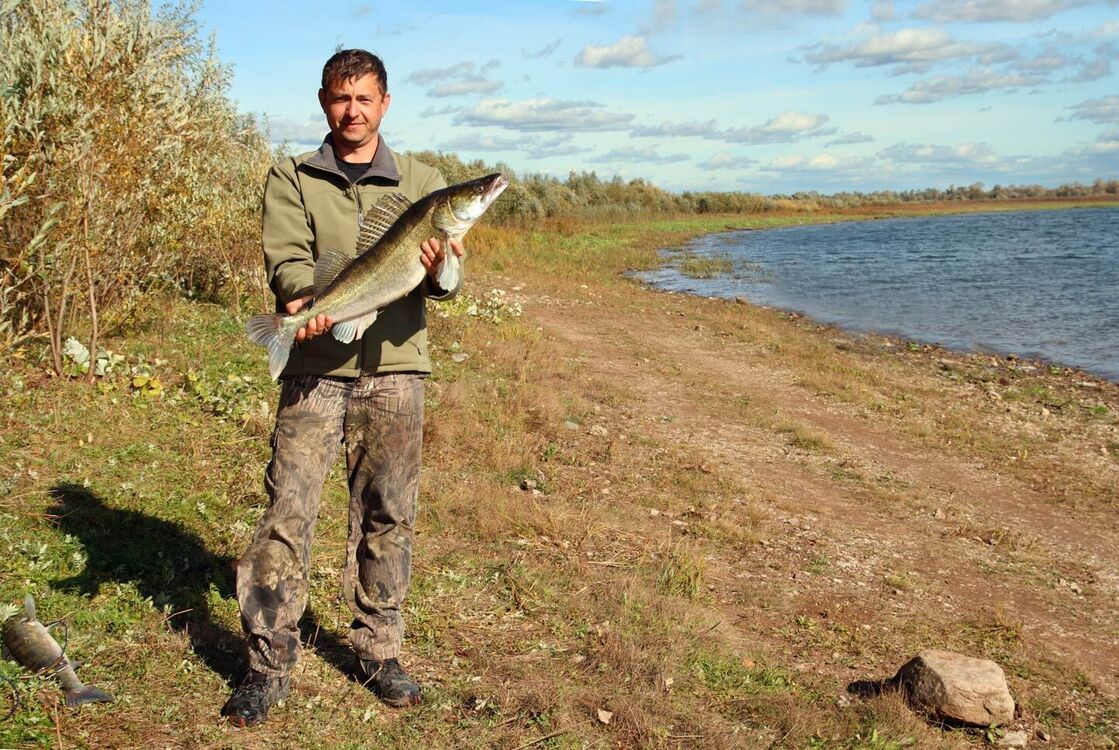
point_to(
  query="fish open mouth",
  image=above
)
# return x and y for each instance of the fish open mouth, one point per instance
(499, 184)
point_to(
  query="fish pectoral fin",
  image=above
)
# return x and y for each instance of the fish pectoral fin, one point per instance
(450, 271)
(379, 219)
(352, 330)
(29, 605)
(329, 264)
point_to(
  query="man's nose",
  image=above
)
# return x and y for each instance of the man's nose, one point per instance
(351, 108)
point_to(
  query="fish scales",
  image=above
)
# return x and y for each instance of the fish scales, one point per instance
(386, 270)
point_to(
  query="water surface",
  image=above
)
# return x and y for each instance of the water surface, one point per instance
(1041, 284)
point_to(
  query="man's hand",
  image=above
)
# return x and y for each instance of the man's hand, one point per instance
(315, 326)
(432, 254)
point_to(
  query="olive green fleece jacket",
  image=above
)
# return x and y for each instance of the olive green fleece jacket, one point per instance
(310, 206)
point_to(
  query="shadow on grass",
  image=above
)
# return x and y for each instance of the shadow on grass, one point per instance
(172, 566)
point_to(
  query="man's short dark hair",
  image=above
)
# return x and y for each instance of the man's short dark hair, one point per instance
(351, 64)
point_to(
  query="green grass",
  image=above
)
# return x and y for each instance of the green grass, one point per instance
(702, 267)
(121, 511)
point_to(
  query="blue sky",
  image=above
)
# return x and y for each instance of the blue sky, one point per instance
(757, 95)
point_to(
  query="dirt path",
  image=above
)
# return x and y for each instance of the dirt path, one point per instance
(874, 542)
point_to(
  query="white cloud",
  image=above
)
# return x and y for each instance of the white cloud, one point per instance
(706, 129)
(1104, 110)
(849, 138)
(475, 85)
(1099, 66)
(627, 52)
(590, 8)
(309, 131)
(975, 81)
(640, 156)
(911, 50)
(547, 50)
(1015, 11)
(450, 109)
(795, 7)
(786, 127)
(725, 160)
(529, 146)
(819, 163)
(426, 76)
(457, 80)
(883, 10)
(1047, 60)
(964, 154)
(544, 114)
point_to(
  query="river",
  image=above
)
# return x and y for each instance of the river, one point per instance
(1041, 284)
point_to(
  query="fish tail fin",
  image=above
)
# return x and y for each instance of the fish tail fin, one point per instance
(270, 332)
(87, 694)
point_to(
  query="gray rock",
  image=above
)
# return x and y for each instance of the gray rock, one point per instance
(956, 688)
(528, 484)
(1016, 739)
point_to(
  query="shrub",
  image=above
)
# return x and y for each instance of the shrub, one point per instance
(125, 166)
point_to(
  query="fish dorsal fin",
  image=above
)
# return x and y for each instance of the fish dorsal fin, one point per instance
(328, 266)
(379, 218)
(29, 606)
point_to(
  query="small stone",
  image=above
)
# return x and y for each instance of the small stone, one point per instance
(1043, 735)
(994, 395)
(598, 430)
(571, 425)
(1016, 738)
(459, 357)
(741, 301)
(528, 484)
(1044, 412)
(939, 514)
(956, 688)
(605, 716)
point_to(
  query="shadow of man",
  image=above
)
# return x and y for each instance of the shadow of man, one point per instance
(172, 566)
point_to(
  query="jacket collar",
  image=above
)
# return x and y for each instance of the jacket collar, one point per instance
(383, 165)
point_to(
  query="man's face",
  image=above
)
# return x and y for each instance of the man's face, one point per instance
(354, 109)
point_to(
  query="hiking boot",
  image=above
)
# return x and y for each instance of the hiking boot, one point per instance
(251, 700)
(389, 682)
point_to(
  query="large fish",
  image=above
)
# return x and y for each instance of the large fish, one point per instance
(351, 291)
(31, 644)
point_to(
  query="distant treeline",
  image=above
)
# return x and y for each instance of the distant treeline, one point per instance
(585, 195)
(125, 168)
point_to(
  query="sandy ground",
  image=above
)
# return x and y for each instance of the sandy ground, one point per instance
(873, 539)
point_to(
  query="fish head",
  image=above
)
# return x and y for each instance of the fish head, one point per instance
(464, 203)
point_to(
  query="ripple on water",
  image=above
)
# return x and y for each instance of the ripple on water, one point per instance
(1037, 283)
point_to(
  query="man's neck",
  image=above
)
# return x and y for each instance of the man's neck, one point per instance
(361, 155)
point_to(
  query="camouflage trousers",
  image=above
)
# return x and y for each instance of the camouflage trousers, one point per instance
(379, 418)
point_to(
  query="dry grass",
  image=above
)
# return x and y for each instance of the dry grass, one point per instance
(720, 536)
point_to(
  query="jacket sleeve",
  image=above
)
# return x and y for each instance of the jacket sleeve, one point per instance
(431, 289)
(286, 235)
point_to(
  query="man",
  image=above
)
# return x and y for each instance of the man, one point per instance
(367, 394)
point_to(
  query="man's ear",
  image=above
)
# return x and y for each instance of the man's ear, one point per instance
(322, 99)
